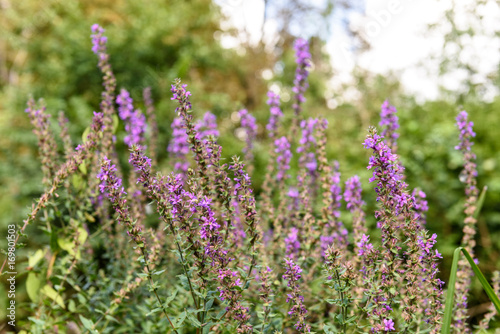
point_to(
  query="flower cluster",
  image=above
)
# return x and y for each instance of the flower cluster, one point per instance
(98, 40)
(248, 123)
(467, 176)
(46, 141)
(178, 146)
(307, 145)
(135, 121)
(112, 187)
(109, 82)
(206, 127)
(398, 220)
(276, 114)
(302, 58)
(389, 124)
(298, 310)
(420, 205)
(282, 149)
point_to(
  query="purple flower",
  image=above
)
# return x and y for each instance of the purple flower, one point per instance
(282, 149)
(420, 205)
(389, 125)
(352, 193)
(276, 114)
(300, 85)
(307, 145)
(98, 40)
(178, 146)
(135, 121)
(364, 245)
(389, 325)
(292, 243)
(206, 127)
(297, 310)
(466, 132)
(248, 123)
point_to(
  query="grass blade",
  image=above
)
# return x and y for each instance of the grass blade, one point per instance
(480, 202)
(486, 286)
(450, 295)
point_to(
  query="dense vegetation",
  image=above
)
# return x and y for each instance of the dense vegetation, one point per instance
(236, 234)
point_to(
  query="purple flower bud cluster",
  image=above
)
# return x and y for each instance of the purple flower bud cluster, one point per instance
(98, 39)
(300, 85)
(178, 146)
(389, 124)
(46, 142)
(249, 124)
(298, 310)
(292, 243)
(206, 127)
(276, 114)
(135, 121)
(466, 132)
(112, 187)
(420, 205)
(352, 194)
(339, 231)
(244, 196)
(388, 174)
(284, 155)
(467, 176)
(364, 245)
(307, 145)
(197, 146)
(398, 220)
(109, 82)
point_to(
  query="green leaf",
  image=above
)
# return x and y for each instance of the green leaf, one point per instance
(52, 294)
(36, 257)
(180, 319)
(153, 311)
(194, 320)
(116, 122)
(209, 304)
(85, 134)
(486, 286)
(33, 286)
(450, 295)
(83, 168)
(88, 324)
(170, 298)
(480, 202)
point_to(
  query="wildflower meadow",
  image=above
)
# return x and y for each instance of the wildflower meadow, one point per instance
(133, 247)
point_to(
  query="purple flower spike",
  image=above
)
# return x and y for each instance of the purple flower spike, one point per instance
(300, 85)
(98, 40)
(466, 132)
(389, 124)
(298, 310)
(248, 123)
(276, 114)
(307, 145)
(135, 121)
(179, 146)
(207, 127)
(282, 149)
(292, 243)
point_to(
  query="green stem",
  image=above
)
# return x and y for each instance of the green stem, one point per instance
(153, 287)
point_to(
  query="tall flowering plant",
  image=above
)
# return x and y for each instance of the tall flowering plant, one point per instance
(219, 256)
